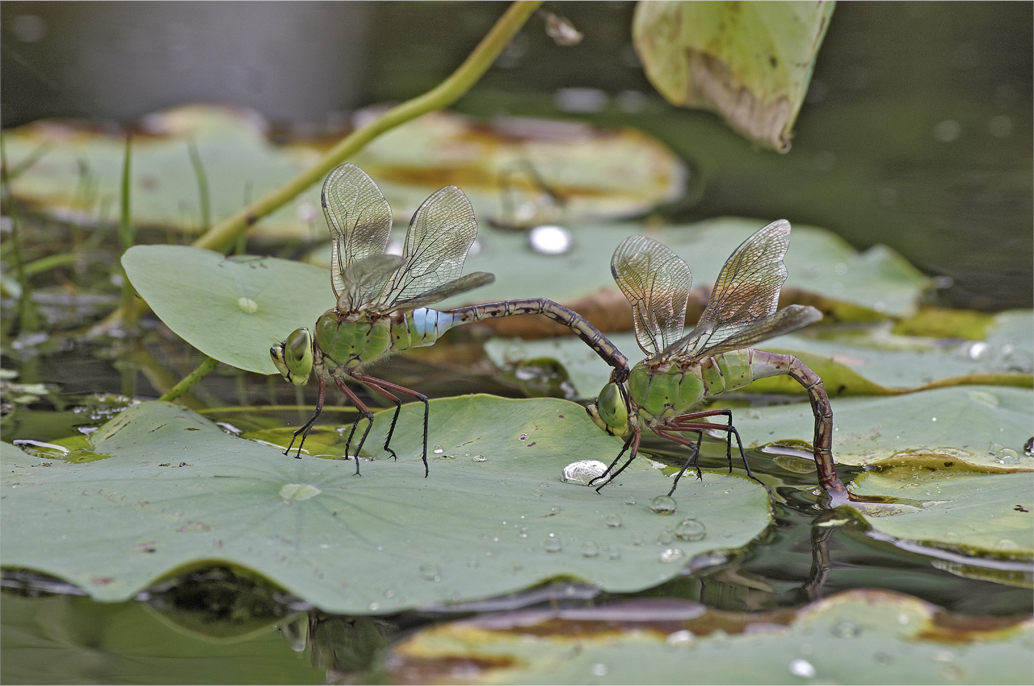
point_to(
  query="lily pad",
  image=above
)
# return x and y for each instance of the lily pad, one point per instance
(750, 62)
(595, 173)
(857, 637)
(964, 425)
(231, 309)
(987, 515)
(493, 517)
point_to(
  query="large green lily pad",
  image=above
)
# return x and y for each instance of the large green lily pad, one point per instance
(232, 309)
(857, 637)
(974, 514)
(601, 174)
(493, 517)
(750, 62)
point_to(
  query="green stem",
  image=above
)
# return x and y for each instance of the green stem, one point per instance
(189, 380)
(202, 184)
(447, 92)
(28, 319)
(125, 234)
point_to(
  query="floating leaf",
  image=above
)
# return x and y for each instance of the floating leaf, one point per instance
(860, 636)
(583, 172)
(750, 62)
(989, 515)
(232, 309)
(493, 517)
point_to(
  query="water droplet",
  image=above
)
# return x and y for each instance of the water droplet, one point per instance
(683, 637)
(429, 572)
(374, 607)
(943, 655)
(590, 549)
(903, 619)
(663, 504)
(516, 566)
(613, 520)
(472, 562)
(390, 593)
(466, 453)
(993, 448)
(638, 540)
(847, 629)
(630, 500)
(802, 668)
(599, 669)
(613, 553)
(1007, 456)
(1007, 544)
(479, 458)
(979, 351)
(690, 530)
(672, 555)
(552, 544)
(666, 537)
(522, 437)
(555, 509)
(933, 419)
(550, 240)
(583, 471)
(438, 450)
(247, 305)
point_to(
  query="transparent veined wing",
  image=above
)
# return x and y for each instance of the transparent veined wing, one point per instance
(790, 318)
(439, 236)
(360, 222)
(365, 280)
(656, 282)
(746, 291)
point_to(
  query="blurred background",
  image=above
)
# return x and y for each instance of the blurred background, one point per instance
(916, 133)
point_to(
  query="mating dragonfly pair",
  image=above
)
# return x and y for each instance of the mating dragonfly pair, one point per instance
(382, 308)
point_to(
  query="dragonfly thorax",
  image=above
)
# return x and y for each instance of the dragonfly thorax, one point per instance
(660, 395)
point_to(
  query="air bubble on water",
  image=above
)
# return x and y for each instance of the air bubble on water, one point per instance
(846, 629)
(429, 572)
(583, 472)
(479, 458)
(552, 544)
(599, 669)
(1007, 456)
(690, 529)
(663, 504)
(438, 450)
(590, 549)
(613, 520)
(802, 668)
(672, 555)
(550, 240)
(630, 500)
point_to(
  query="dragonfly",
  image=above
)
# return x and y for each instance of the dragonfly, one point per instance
(682, 371)
(382, 298)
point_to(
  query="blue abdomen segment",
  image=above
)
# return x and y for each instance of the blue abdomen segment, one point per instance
(426, 325)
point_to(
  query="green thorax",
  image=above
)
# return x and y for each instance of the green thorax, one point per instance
(665, 388)
(357, 338)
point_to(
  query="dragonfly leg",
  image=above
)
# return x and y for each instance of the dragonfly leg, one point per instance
(632, 440)
(705, 426)
(364, 414)
(382, 386)
(728, 429)
(694, 455)
(307, 426)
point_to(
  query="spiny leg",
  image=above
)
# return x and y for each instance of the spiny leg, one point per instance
(307, 426)
(705, 426)
(381, 387)
(632, 440)
(365, 414)
(728, 428)
(694, 455)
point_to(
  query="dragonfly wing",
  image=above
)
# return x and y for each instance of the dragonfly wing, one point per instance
(746, 291)
(364, 281)
(439, 236)
(784, 321)
(656, 282)
(359, 219)
(447, 290)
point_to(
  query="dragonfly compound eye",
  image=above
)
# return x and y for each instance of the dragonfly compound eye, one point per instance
(293, 357)
(609, 411)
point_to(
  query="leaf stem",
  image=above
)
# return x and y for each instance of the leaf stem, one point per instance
(447, 92)
(189, 380)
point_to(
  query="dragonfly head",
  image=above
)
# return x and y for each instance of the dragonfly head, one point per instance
(610, 411)
(293, 357)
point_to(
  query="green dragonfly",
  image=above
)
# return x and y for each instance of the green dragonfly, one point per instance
(382, 298)
(682, 371)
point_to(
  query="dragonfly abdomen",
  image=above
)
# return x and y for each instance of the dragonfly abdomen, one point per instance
(424, 326)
